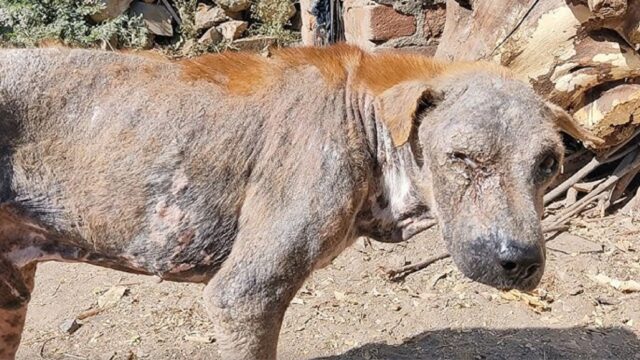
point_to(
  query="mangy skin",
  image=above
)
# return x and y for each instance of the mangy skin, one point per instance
(118, 161)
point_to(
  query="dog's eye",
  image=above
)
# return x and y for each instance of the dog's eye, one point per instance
(548, 166)
(458, 156)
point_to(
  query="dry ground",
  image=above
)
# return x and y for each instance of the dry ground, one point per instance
(350, 311)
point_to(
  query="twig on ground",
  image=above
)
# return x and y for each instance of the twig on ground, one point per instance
(75, 356)
(89, 313)
(44, 343)
(622, 185)
(402, 273)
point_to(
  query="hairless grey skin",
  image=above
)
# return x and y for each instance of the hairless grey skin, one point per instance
(123, 161)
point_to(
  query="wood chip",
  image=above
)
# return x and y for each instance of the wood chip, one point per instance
(89, 313)
(296, 300)
(112, 296)
(202, 339)
(534, 301)
(627, 286)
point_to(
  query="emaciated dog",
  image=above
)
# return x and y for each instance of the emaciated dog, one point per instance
(247, 173)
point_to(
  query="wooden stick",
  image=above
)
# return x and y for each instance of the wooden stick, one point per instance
(552, 229)
(579, 175)
(586, 170)
(616, 191)
(632, 160)
(403, 272)
(587, 186)
(622, 185)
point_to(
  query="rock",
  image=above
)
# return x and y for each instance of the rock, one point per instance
(112, 9)
(210, 37)
(186, 50)
(258, 43)
(234, 5)
(297, 301)
(234, 15)
(233, 29)
(576, 290)
(366, 25)
(156, 17)
(112, 296)
(69, 326)
(434, 19)
(208, 16)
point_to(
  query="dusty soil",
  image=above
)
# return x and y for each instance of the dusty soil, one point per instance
(349, 310)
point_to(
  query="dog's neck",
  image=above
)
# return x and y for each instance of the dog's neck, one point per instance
(394, 209)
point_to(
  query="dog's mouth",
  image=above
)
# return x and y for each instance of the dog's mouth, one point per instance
(411, 226)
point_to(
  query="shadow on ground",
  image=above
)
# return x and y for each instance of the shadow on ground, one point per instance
(527, 343)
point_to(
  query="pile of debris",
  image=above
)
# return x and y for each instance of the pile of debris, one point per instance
(223, 22)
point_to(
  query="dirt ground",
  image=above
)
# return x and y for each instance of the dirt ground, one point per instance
(349, 310)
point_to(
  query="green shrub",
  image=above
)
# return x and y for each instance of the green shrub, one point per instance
(272, 18)
(28, 22)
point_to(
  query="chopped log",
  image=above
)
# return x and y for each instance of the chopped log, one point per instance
(613, 108)
(472, 34)
(607, 8)
(571, 53)
(627, 25)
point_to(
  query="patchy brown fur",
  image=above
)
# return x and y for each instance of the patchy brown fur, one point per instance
(245, 73)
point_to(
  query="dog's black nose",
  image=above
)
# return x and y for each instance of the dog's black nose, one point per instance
(519, 261)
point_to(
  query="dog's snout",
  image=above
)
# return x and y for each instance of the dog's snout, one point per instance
(518, 261)
(503, 261)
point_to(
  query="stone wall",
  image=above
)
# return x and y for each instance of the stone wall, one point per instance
(210, 25)
(383, 24)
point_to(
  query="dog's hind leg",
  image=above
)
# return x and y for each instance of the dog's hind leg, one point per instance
(15, 289)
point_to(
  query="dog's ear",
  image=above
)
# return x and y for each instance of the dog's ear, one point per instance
(567, 124)
(400, 107)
